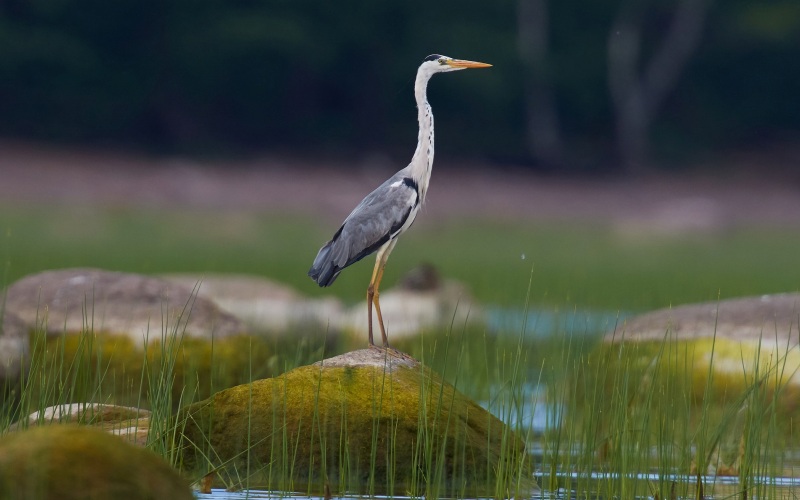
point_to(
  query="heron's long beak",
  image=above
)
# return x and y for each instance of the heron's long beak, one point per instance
(460, 63)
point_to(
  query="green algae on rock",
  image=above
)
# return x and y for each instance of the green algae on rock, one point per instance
(369, 421)
(118, 364)
(64, 462)
(711, 370)
(727, 345)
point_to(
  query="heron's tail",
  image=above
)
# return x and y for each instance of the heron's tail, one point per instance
(323, 270)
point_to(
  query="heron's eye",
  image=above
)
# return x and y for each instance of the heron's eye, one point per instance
(442, 61)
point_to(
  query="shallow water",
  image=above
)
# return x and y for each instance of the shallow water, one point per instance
(544, 323)
(534, 413)
(537, 415)
(714, 488)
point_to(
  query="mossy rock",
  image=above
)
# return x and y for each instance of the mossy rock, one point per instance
(63, 462)
(117, 365)
(720, 350)
(369, 421)
(718, 371)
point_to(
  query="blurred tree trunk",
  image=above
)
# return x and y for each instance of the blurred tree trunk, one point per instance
(543, 134)
(638, 94)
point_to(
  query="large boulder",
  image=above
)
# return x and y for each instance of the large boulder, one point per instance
(141, 307)
(79, 367)
(741, 340)
(769, 318)
(64, 462)
(369, 421)
(264, 305)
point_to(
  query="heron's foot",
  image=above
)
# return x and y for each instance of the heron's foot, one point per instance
(392, 352)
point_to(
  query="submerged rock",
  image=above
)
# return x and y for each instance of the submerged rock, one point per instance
(370, 421)
(64, 462)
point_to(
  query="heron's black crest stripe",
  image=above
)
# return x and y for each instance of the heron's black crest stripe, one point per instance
(432, 57)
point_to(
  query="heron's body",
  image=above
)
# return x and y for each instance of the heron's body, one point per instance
(388, 211)
(380, 217)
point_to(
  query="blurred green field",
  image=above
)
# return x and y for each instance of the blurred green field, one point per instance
(616, 422)
(578, 265)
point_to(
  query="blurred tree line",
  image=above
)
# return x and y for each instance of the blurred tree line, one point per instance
(575, 85)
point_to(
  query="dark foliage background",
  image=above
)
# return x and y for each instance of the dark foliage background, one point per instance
(211, 76)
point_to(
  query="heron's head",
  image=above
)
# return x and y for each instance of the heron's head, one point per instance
(436, 63)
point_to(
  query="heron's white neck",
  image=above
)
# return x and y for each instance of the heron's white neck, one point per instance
(422, 161)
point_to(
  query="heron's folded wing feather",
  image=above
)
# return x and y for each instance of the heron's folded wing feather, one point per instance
(379, 217)
(374, 221)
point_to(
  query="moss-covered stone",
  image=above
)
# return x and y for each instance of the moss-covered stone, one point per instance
(361, 422)
(116, 365)
(717, 349)
(721, 369)
(64, 462)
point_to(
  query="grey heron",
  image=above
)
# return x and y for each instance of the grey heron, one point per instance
(387, 212)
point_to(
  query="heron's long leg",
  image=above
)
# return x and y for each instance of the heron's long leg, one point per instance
(373, 292)
(384, 337)
(370, 297)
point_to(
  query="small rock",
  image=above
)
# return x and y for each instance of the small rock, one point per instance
(14, 346)
(264, 305)
(66, 462)
(132, 424)
(142, 307)
(424, 277)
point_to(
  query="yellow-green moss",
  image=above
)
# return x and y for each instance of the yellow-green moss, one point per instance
(116, 367)
(64, 462)
(684, 365)
(357, 429)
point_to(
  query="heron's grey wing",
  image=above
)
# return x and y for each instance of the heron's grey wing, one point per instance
(378, 218)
